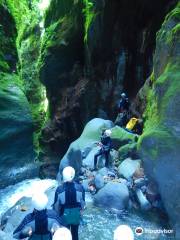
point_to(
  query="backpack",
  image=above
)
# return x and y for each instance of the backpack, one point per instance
(132, 123)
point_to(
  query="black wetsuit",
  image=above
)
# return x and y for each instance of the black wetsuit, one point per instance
(105, 150)
(40, 222)
(123, 105)
(68, 201)
(123, 112)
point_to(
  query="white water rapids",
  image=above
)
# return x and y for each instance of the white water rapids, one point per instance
(98, 224)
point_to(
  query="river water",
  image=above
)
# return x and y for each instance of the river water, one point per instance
(98, 224)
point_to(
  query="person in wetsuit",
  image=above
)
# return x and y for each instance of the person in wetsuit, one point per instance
(69, 201)
(105, 148)
(41, 223)
(123, 111)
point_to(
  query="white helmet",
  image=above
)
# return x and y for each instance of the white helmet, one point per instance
(123, 95)
(68, 174)
(108, 132)
(123, 232)
(62, 233)
(39, 201)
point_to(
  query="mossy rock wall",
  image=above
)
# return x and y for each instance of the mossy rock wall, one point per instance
(16, 131)
(159, 144)
(27, 17)
(91, 51)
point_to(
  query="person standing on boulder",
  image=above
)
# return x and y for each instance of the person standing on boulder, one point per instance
(105, 148)
(123, 111)
(69, 201)
(41, 223)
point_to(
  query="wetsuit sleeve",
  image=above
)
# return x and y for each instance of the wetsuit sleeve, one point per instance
(57, 199)
(19, 233)
(54, 221)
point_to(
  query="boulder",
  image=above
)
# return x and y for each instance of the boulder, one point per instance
(103, 171)
(113, 195)
(16, 133)
(128, 167)
(99, 181)
(89, 160)
(72, 158)
(83, 145)
(120, 137)
(128, 150)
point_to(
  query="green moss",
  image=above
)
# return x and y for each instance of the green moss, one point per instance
(127, 150)
(89, 16)
(27, 18)
(171, 33)
(158, 136)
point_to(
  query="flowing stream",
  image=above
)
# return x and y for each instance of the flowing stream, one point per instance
(98, 224)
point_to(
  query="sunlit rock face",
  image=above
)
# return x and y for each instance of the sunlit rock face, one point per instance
(91, 51)
(159, 145)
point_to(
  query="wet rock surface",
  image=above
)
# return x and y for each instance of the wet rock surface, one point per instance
(16, 134)
(89, 57)
(113, 195)
(159, 145)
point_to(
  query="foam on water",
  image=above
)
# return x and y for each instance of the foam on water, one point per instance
(98, 224)
(27, 188)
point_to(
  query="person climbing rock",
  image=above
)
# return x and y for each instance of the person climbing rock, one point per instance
(62, 233)
(105, 148)
(123, 111)
(123, 232)
(69, 201)
(41, 223)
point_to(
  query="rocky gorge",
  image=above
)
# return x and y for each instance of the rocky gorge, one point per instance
(64, 63)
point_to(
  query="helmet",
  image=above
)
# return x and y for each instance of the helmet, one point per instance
(68, 174)
(62, 233)
(123, 95)
(108, 132)
(123, 232)
(39, 201)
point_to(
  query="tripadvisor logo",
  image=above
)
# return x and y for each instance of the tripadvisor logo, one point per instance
(139, 231)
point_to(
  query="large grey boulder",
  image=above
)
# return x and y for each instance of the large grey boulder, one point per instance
(99, 181)
(113, 195)
(88, 162)
(128, 167)
(84, 144)
(16, 134)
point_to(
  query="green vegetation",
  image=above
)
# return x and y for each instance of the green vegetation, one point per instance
(162, 98)
(27, 43)
(89, 15)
